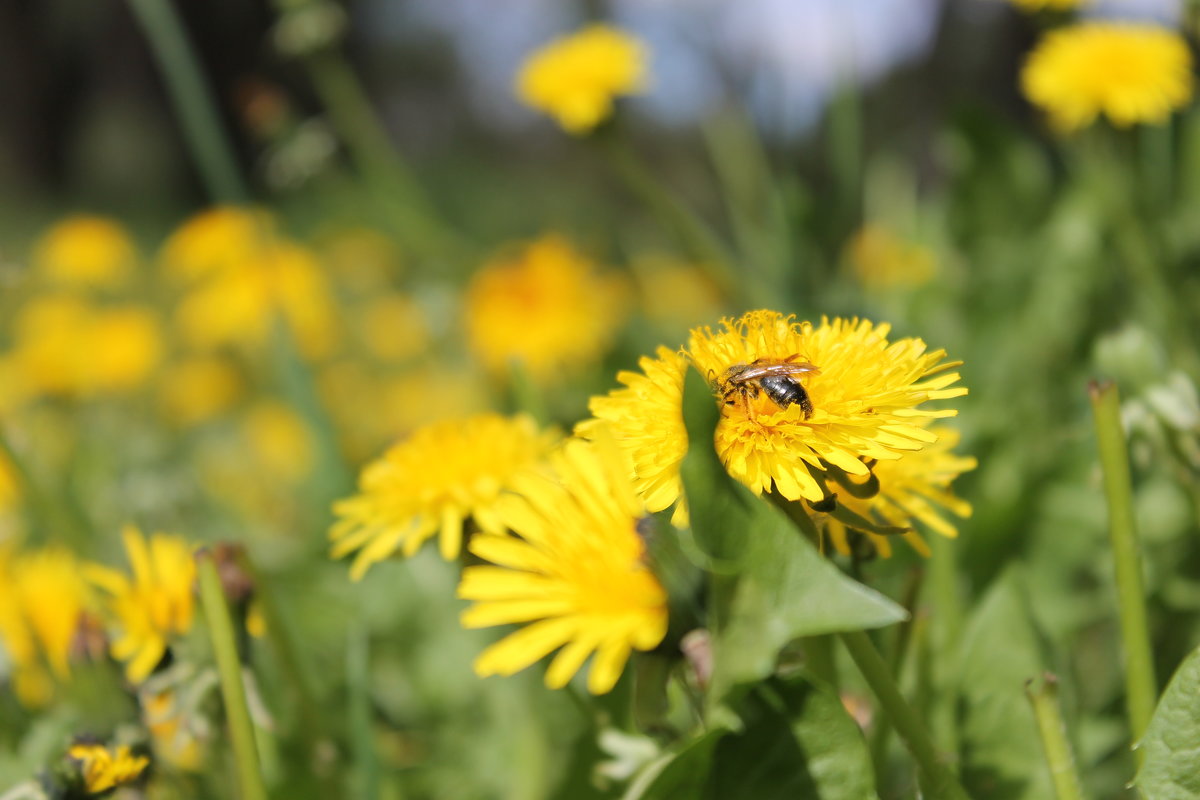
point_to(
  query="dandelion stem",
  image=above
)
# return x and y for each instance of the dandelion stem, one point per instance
(940, 781)
(1053, 731)
(229, 667)
(192, 99)
(358, 679)
(1140, 685)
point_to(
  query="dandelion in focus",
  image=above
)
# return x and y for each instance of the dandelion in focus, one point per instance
(86, 252)
(1131, 73)
(574, 575)
(544, 306)
(576, 78)
(430, 483)
(103, 769)
(915, 488)
(864, 397)
(882, 260)
(646, 420)
(153, 604)
(42, 598)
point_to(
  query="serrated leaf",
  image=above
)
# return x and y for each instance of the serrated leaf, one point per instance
(1002, 756)
(782, 588)
(1171, 746)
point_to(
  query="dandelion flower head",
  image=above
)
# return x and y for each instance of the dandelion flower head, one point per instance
(215, 240)
(430, 483)
(865, 397)
(646, 420)
(1131, 73)
(86, 252)
(154, 604)
(103, 769)
(576, 78)
(574, 575)
(544, 306)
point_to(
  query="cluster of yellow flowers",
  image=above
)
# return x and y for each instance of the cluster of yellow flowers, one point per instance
(558, 521)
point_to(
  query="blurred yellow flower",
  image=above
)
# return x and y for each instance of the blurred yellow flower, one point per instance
(280, 441)
(393, 328)
(216, 240)
(10, 493)
(198, 389)
(431, 482)
(1056, 5)
(86, 251)
(544, 306)
(676, 292)
(646, 419)
(63, 345)
(864, 398)
(882, 260)
(913, 488)
(177, 738)
(42, 597)
(103, 769)
(241, 305)
(360, 259)
(1132, 73)
(576, 78)
(14, 384)
(574, 574)
(154, 604)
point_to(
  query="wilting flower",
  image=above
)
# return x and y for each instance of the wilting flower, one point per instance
(153, 605)
(1132, 73)
(574, 575)
(576, 78)
(912, 489)
(103, 769)
(545, 307)
(431, 483)
(646, 419)
(882, 260)
(864, 397)
(85, 251)
(42, 598)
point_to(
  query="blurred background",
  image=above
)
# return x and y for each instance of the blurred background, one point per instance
(873, 158)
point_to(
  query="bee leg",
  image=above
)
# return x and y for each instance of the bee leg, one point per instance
(805, 403)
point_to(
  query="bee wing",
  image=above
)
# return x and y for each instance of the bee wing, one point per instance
(766, 370)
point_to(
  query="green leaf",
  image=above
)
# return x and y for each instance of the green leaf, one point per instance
(782, 588)
(1171, 747)
(1002, 756)
(796, 740)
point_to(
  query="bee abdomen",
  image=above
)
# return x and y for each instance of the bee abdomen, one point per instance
(785, 390)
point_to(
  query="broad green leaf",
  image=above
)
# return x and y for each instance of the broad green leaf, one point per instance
(784, 588)
(1002, 757)
(1171, 747)
(795, 740)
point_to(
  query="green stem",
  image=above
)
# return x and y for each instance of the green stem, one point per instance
(940, 781)
(820, 659)
(50, 518)
(526, 394)
(1140, 685)
(895, 661)
(1053, 731)
(192, 99)
(358, 678)
(943, 568)
(229, 667)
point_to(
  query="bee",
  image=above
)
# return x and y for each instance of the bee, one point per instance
(778, 378)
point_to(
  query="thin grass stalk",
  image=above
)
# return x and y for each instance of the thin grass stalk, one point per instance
(1053, 731)
(1141, 692)
(940, 782)
(229, 669)
(192, 99)
(358, 679)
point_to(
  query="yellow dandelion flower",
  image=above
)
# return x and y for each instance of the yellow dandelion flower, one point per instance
(41, 600)
(154, 604)
(882, 260)
(240, 306)
(123, 347)
(103, 769)
(198, 389)
(913, 488)
(864, 398)
(214, 241)
(431, 482)
(646, 419)
(85, 251)
(280, 441)
(10, 492)
(1131, 73)
(544, 306)
(576, 78)
(575, 577)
